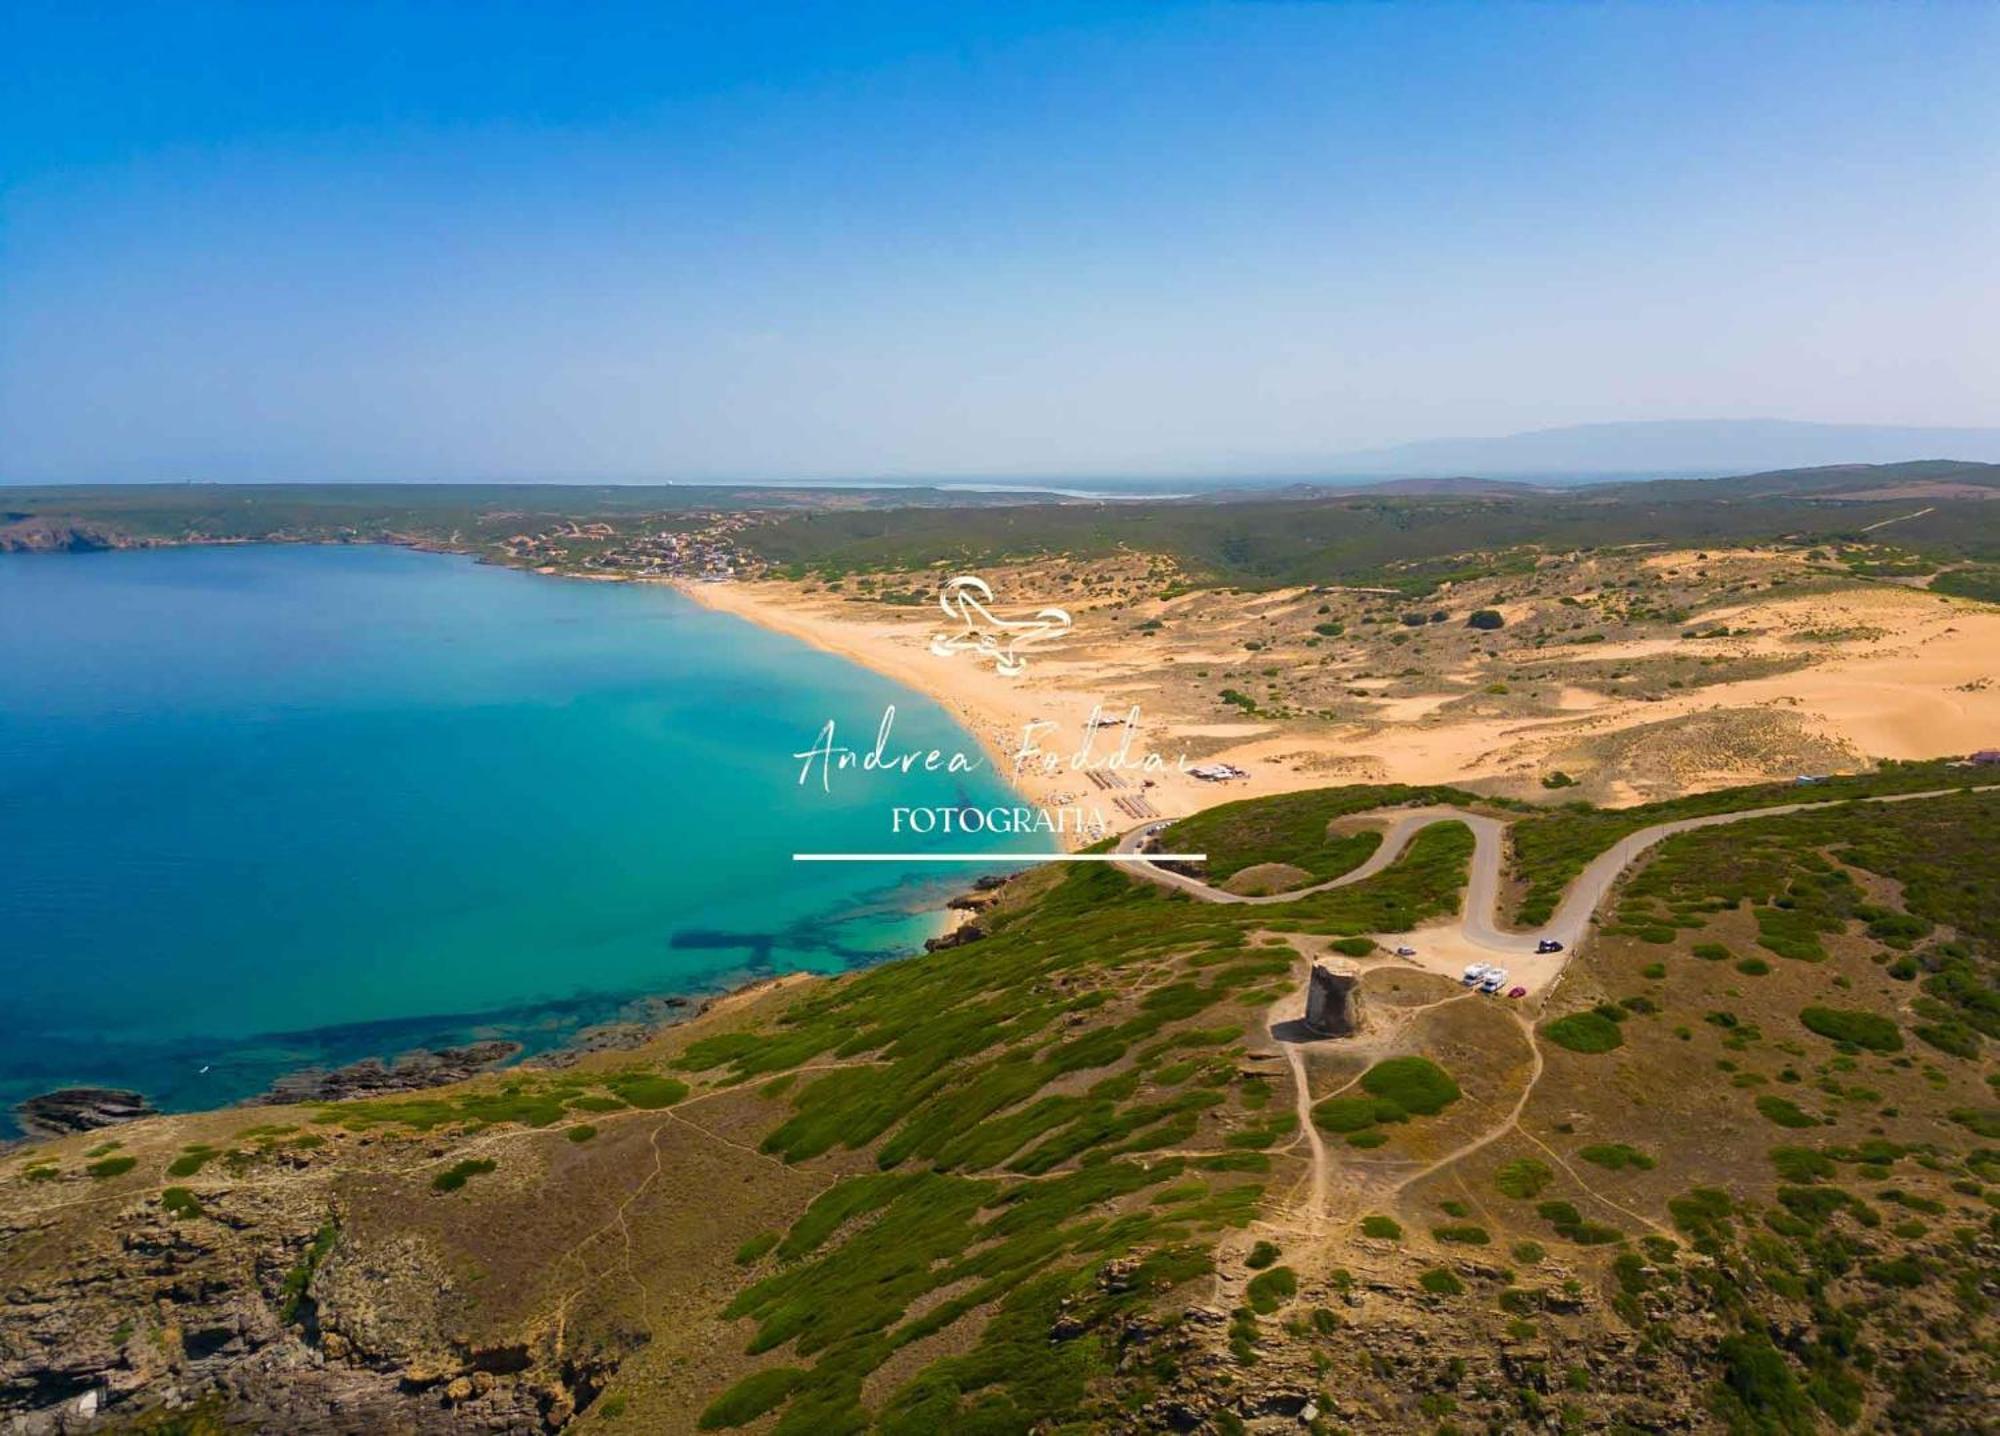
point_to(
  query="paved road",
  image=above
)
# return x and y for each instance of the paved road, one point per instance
(1479, 920)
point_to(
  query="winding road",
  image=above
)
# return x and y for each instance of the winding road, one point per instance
(1477, 926)
(1478, 923)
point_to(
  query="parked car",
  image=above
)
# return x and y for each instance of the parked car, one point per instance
(1548, 944)
(1475, 974)
(1495, 980)
(1406, 952)
(1518, 992)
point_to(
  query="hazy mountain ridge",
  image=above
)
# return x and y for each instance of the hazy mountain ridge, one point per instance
(1683, 447)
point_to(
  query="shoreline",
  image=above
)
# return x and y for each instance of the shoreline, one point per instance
(1004, 715)
(628, 1022)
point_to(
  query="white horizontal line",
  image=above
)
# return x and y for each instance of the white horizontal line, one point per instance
(999, 857)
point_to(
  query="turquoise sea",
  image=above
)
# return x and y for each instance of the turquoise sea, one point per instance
(271, 807)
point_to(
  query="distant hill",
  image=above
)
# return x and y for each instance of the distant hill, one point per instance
(1681, 448)
(1855, 483)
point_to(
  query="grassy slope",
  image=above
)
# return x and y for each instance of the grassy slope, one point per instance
(1053, 1130)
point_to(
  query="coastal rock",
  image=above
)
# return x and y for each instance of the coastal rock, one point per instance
(28, 533)
(957, 937)
(371, 1077)
(80, 1109)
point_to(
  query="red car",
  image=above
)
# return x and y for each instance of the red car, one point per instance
(1518, 992)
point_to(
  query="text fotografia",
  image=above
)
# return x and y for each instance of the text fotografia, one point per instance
(828, 755)
(1071, 819)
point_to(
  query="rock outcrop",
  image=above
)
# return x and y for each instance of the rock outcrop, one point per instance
(80, 1109)
(371, 1077)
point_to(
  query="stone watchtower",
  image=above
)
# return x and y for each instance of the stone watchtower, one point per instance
(1333, 1001)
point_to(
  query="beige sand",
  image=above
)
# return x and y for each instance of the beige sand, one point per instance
(1919, 681)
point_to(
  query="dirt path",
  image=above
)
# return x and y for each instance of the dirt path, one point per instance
(1477, 925)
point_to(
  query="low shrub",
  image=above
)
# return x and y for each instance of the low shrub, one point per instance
(1589, 1032)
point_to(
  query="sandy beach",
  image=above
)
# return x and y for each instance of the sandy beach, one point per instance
(1855, 675)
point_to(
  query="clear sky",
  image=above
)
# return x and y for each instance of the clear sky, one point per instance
(579, 240)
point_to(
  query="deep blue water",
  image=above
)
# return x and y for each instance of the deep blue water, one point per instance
(269, 807)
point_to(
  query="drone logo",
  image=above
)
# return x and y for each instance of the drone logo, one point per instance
(969, 601)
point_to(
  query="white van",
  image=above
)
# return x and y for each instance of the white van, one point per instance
(1495, 979)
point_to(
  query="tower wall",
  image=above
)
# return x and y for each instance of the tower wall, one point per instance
(1333, 1002)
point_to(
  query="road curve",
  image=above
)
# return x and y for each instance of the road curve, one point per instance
(1479, 920)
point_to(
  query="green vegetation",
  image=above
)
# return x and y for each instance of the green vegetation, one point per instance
(1415, 1084)
(1039, 1140)
(292, 1292)
(1398, 1087)
(179, 1202)
(1271, 1289)
(1523, 1177)
(192, 1160)
(459, 1173)
(110, 1167)
(1785, 1113)
(1976, 582)
(1354, 1114)
(755, 1394)
(1551, 849)
(1758, 1392)
(529, 1101)
(1590, 1032)
(1292, 829)
(1462, 1234)
(581, 1132)
(1570, 1225)
(1859, 1029)
(1616, 1157)
(648, 1091)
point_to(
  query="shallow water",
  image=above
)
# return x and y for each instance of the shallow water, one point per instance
(267, 807)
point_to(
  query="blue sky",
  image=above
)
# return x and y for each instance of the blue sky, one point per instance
(670, 241)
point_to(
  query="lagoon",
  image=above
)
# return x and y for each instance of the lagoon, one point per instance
(268, 807)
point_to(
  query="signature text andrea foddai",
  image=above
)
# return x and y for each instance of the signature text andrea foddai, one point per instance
(827, 756)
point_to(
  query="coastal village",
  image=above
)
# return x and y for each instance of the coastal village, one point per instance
(704, 552)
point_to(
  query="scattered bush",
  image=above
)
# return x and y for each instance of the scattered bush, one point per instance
(178, 1202)
(1462, 1235)
(1523, 1177)
(457, 1175)
(1416, 1084)
(1271, 1289)
(1863, 1029)
(1616, 1156)
(1589, 1032)
(1784, 1113)
(646, 1090)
